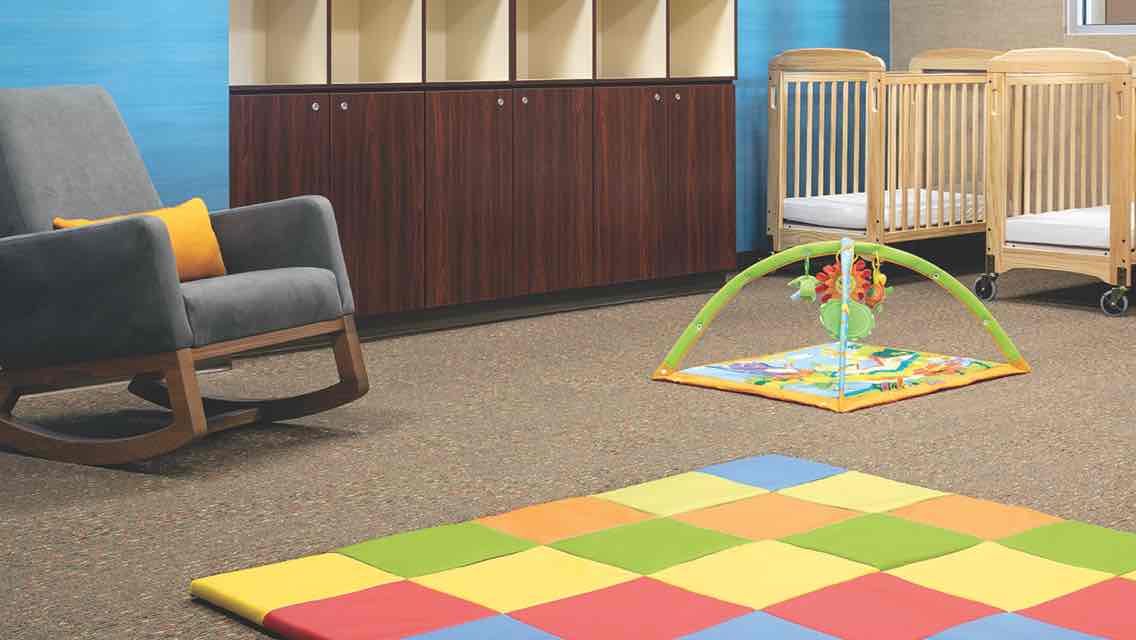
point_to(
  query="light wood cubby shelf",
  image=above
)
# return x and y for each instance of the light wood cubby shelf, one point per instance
(277, 42)
(365, 43)
(376, 41)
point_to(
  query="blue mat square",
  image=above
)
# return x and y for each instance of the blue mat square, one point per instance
(497, 628)
(758, 625)
(773, 471)
(1009, 626)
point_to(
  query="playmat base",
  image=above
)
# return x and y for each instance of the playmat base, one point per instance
(765, 547)
(875, 375)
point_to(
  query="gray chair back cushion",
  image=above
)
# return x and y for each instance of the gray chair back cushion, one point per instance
(65, 151)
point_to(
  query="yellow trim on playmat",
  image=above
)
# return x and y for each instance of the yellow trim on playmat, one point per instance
(846, 405)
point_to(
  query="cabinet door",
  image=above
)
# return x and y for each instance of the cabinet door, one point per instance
(699, 228)
(278, 147)
(378, 190)
(630, 177)
(553, 205)
(469, 214)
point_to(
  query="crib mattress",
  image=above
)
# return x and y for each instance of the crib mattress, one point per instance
(850, 210)
(1081, 228)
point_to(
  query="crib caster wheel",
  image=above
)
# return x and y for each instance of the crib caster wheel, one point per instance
(1114, 302)
(986, 287)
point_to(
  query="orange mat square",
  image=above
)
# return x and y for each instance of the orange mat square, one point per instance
(979, 518)
(554, 521)
(766, 516)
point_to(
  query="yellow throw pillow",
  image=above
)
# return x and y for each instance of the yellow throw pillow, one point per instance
(196, 250)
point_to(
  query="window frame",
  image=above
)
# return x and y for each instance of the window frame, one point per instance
(1075, 22)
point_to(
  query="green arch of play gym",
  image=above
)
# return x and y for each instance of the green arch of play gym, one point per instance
(698, 326)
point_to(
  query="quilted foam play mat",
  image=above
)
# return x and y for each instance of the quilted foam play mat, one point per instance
(847, 374)
(764, 547)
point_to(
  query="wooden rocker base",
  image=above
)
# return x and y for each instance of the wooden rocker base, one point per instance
(170, 380)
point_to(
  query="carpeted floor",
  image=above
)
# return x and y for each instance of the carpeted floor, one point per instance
(470, 422)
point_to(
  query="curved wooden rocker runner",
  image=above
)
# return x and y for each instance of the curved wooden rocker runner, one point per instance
(170, 380)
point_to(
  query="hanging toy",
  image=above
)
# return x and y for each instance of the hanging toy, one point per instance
(878, 289)
(806, 286)
(861, 320)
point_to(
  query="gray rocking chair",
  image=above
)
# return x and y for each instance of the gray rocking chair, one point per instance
(103, 302)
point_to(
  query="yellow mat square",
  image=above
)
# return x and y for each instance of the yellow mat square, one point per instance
(526, 579)
(999, 576)
(684, 492)
(862, 492)
(254, 593)
(761, 574)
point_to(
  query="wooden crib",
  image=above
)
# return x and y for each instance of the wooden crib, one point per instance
(856, 151)
(1060, 168)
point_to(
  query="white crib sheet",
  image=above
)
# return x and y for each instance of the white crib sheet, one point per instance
(849, 210)
(1084, 228)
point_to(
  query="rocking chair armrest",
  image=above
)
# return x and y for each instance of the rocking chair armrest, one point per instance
(296, 232)
(101, 291)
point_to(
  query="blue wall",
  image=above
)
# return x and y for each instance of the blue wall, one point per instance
(766, 28)
(166, 62)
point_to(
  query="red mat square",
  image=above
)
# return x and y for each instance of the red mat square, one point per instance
(1107, 609)
(641, 609)
(393, 610)
(879, 607)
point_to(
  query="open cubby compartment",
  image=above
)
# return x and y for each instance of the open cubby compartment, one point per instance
(703, 38)
(376, 41)
(554, 39)
(467, 40)
(277, 42)
(631, 39)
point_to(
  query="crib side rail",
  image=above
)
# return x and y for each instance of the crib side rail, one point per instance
(822, 129)
(934, 145)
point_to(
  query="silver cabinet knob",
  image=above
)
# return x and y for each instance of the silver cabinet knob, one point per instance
(658, 97)
(500, 102)
(678, 96)
(315, 106)
(343, 106)
(525, 100)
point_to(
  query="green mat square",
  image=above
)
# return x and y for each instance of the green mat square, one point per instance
(1079, 544)
(420, 553)
(649, 546)
(882, 541)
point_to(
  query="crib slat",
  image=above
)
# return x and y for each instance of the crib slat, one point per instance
(892, 160)
(1028, 133)
(917, 154)
(1062, 142)
(1052, 147)
(832, 141)
(809, 141)
(844, 108)
(940, 150)
(975, 125)
(926, 158)
(905, 154)
(952, 142)
(1079, 131)
(822, 131)
(1016, 94)
(797, 139)
(1094, 138)
(1106, 142)
(856, 163)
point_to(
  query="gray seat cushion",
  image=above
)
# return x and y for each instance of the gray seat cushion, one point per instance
(255, 302)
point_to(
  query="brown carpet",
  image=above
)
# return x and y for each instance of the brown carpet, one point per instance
(474, 421)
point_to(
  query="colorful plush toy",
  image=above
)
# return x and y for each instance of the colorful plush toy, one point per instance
(867, 291)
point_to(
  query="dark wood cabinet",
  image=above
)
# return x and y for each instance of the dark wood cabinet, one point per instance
(447, 197)
(378, 189)
(469, 197)
(698, 227)
(630, 177)
(279, 146)
(553, 159)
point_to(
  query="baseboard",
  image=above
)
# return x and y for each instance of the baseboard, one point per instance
(466, 315)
